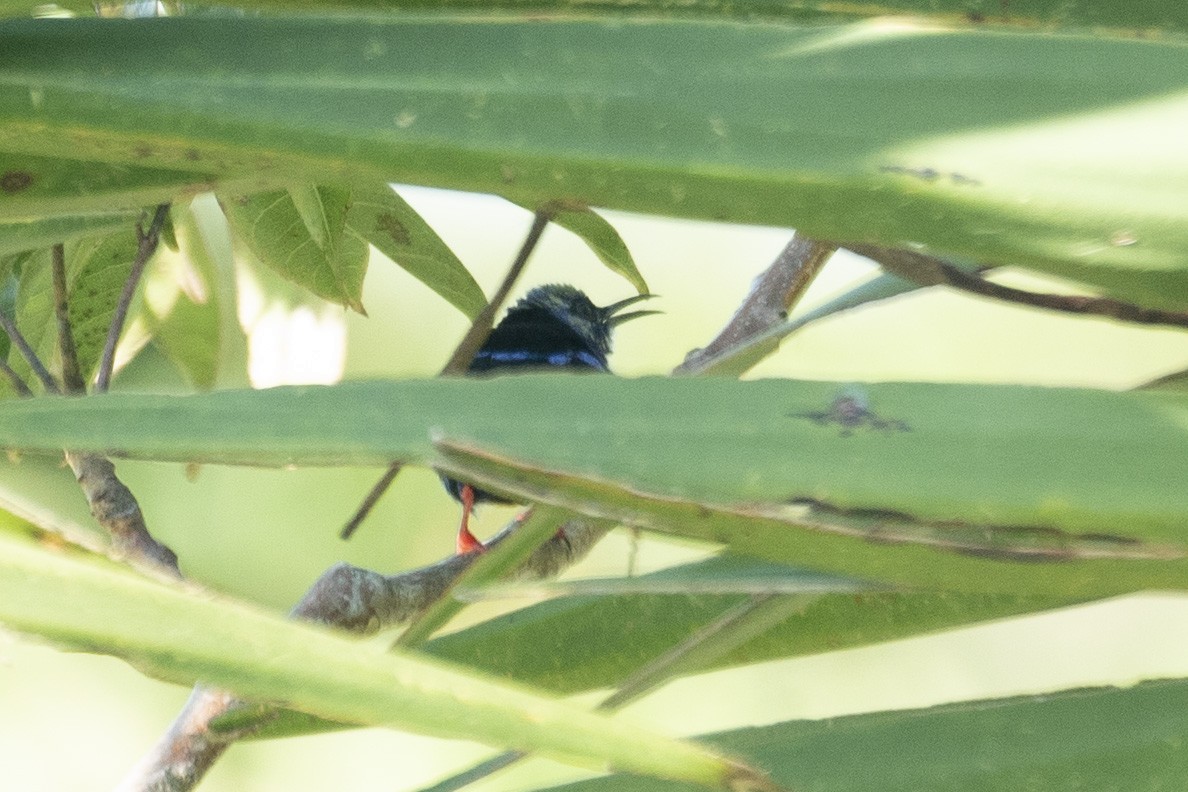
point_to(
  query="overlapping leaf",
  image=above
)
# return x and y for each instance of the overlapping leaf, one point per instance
(953, 141)
(942, 485)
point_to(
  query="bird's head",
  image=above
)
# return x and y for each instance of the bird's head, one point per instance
(572, 307)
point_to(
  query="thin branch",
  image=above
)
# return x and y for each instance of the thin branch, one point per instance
(71, 377)
(467, 348)
(768, 304)
(726, 633)
(144, 251)
(481, 328)
(369, 502)
(18, 340)
(930, 271)
(18, 384)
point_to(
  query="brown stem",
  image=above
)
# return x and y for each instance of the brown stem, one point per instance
(772, 297)
(144, 251)
(18, 340)
(481, 327)
(931, 271)
(71, 376)
(18, 384)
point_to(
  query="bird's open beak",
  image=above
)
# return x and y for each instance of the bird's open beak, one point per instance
(614, 318)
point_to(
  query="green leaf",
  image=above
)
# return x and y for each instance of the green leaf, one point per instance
(182, 308)
(19, 236)
(602, 238)
(383, 218)
(96, 270)
(1099, 740)
(301, 233)
(914, 484)
(97, 279)
(549, 645)
(881, 132)
(184, 636)
(724, 575)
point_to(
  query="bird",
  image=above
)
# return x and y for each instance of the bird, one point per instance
(555, 327)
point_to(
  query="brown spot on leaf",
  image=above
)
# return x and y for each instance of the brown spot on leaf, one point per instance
(14, 181)
(391, 225)
(192, 155)
(142, 151)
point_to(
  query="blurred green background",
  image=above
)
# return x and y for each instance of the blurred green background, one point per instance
(76, 721)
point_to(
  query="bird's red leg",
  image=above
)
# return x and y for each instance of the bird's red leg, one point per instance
(467, 543)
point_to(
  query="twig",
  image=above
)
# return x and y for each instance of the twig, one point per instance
(71, 377)
(373, 497)
(467, 348)
(481, 327)
(18, 384)
(148, 241)
(18, 340)
(930, 271)
(772, 297)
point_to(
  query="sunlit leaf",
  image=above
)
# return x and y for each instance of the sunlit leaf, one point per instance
(301, 233)
(384, 219)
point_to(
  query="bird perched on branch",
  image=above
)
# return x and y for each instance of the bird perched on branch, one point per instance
(555, 327)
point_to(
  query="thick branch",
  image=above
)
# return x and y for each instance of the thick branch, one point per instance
(116, 509)
(930, 271)
(772, 297)
(351, 598)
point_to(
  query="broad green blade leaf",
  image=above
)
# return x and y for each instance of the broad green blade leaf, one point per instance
(383, 218)
(581, 643)
(914, 484)
(21, 235)
(301, 233)
(186, 636)
(1098, 740)
(588, 642)
(883, 132)
(724, 575)
(604, 241)
(50, 186)
(1142, 18)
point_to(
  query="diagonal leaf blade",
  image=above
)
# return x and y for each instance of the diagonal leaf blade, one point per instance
(182, 636)
(383, 218)
(1095, 740)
